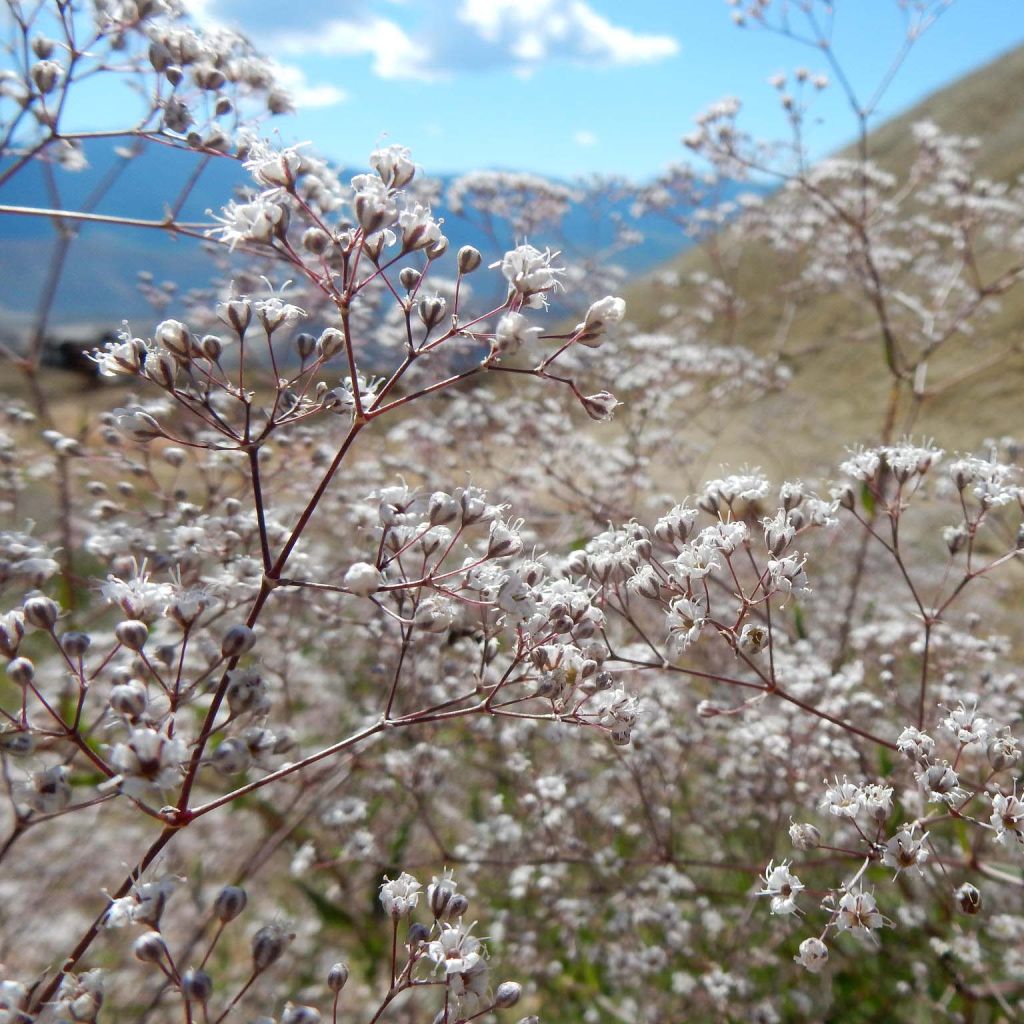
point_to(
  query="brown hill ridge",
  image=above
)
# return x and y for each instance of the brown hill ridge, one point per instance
(830, 342)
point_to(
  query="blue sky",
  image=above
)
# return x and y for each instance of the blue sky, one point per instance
(566, 87)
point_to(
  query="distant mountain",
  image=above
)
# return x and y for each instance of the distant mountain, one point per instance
(100, 284)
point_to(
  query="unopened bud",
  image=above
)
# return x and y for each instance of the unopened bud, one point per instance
(330, 343)
(337, 977)
(804, 836)
(129, 699)
(507, 994)
(409, 277)
(21, 671)
(457, 905)
(268, 945)
(196, 986)
(230, 902)
(431, 311)
(41, 612)
(237, 641)
(468, 259)
(968, 898)
(150, 948)
(132, 634)
(75, 644)
(316, 241)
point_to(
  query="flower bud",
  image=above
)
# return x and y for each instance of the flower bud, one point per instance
(457, 905)
(230, 902)
(268, 945)
(601, 406)
(41, 612)
(431, 311)
(468, 259)
(128, 699)
(46, 74)
(305, 343)
(237, 313)
(362, 579)
(437, 249)
(21, 671)
(804, 836)
(409, 278)
(150, 948)
(75, 644)
(330, 343)
(197, 986)
(12, 629)
(132, 634)
(507, 994)
(316, 241)
(418, 933)
(294, 1014)
(337, 977)
(968, 898)
(43, 47)
(174, 336)
(237, 641)
(232, 757)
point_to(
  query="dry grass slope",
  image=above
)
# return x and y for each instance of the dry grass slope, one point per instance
(839, 386)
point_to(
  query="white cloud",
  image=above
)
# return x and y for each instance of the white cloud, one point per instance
(585, 138)
(444, 37)
(532, 31)
(303, 93)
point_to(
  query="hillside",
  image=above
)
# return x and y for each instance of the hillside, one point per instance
(840, 387)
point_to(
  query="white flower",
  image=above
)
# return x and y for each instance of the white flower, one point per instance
(788, 576)
(513, 331)
(685, 619)
(903, 850)
(400, 895)
(877, 801)
(843, 799)
(782, 886)
(858, 912)
(1007, 817)
(394, 165)
(601, 315)
(149, 761)
(915, 744)
(374, 205)
(940, 782)
(966, 725)
(362, 579)
(813, 955)
(530, 274)
(257, 221)
(419, 229)
(455, 949)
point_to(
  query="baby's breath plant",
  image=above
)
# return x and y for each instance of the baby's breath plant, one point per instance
(382, 649)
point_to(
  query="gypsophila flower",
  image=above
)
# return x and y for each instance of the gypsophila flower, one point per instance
(813, 955)
(858, 911)
(905, 850)
(782, 886)
(684, 620)
(966, 724)
(843, 799)
(530, 273)
(1007, 817)
(914, 744)
(940, 782)
(400, 895)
